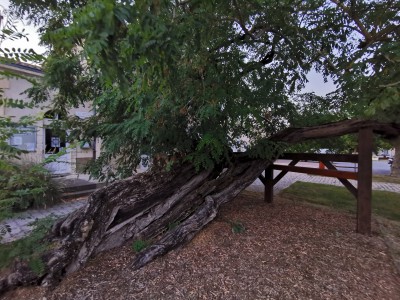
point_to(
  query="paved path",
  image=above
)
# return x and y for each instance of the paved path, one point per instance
(21, 225)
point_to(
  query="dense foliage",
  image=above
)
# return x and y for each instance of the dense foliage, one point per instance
(190, 80)
(24, 185)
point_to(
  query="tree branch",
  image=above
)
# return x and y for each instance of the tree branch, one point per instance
(240, 21)
(351, 13)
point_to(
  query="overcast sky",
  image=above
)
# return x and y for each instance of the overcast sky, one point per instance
(316, 82)
(32, 35)
(317, 85)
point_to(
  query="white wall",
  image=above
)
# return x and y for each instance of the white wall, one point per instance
(13, 88)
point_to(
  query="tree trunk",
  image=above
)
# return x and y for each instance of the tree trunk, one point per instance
(147, 205)
(142, 207)
(395, 168)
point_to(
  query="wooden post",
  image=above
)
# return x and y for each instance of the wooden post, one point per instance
(364, 194)
(269, 184)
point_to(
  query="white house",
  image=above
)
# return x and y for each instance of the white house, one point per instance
(39, 140)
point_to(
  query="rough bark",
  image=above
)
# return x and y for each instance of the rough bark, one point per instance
(144, 207)
(395, 168)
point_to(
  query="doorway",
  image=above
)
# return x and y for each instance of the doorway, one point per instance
(55, 144)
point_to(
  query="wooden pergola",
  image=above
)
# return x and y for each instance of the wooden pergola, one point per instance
(363, 191)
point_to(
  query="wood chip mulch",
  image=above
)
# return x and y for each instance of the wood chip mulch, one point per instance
(289, 250)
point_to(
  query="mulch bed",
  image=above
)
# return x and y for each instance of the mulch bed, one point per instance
(289, 250)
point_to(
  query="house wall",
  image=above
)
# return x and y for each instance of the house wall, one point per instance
(13, 88)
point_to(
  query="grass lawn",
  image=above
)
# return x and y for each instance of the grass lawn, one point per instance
(384, 204)
(386, 178)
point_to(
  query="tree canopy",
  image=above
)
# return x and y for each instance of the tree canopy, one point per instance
(190, 80)
(187, 81)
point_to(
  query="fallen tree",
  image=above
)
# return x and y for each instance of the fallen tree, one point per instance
(144, 207)
(190, 79)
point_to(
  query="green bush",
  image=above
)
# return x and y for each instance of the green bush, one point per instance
(29, 248)
(139, 245)
(238, 227)
(173, 225)
(25, 185)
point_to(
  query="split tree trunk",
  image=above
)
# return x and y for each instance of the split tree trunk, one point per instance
(145, 206)
(142, 207)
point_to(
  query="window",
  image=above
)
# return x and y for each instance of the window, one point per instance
(25, 139)
(54, 142)
(51, 114)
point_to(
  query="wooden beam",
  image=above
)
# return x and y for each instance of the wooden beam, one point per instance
(295, 135)
(262, 178)
(283, 173)
(269, 184)
(345, 182)
(319, 157)
(365, 139)
(315, 171)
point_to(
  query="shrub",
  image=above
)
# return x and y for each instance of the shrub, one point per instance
(173, 225)
(139, 245)
(29, 248)
(238, 227)
(24, 186)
